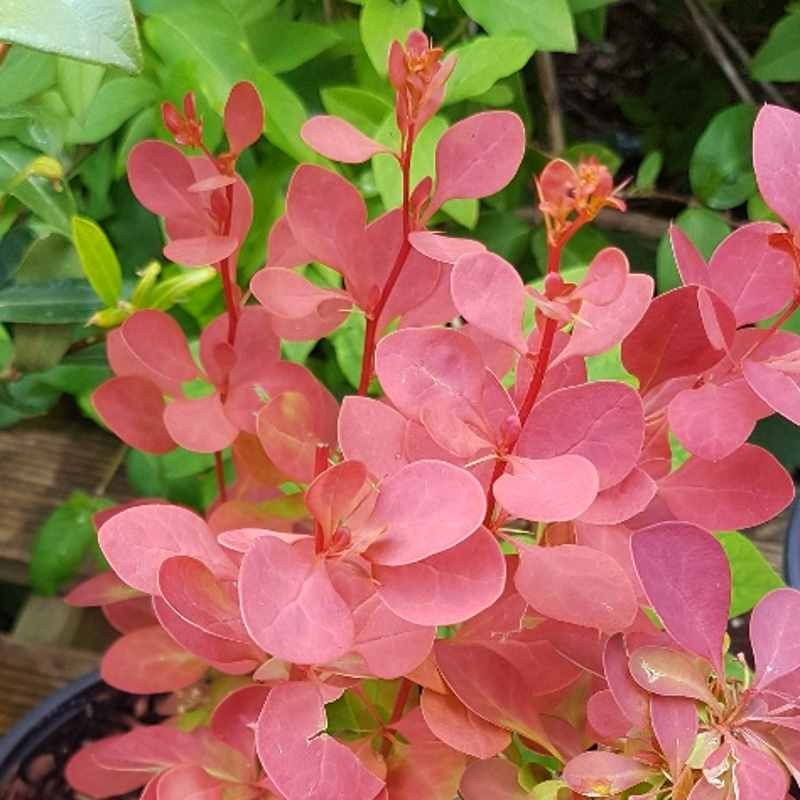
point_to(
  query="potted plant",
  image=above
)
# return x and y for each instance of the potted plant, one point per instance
(482, 574)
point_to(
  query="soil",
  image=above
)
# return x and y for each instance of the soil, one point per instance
(99, 712)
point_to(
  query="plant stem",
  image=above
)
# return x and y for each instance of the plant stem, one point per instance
(542, 362)
(321, 456)
(219, 469)
(374, 316)
(231, 303)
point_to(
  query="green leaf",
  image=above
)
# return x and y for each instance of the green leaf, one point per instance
(579, 6)
(102, 31)
(649, 170)
(6, 348)
(70, 300)
(98, 259)
(705, 228)
(547, 23)
(26, 73)
(603, 154)
(778, 59)
(721, 168)
(758, 210)
(53, 208)
(753, 576)
(39, 347)
(360, 107)
(165, 294)
(116, 102)
(608, 367)
(384, 21)
(208, 37)
(387, 171)
(141, 126)
(282, 45)
(78, 83)
(479, 64)
(348, 345)
(63, 541)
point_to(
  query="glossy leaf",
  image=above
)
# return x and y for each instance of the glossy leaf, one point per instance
(773, 632)
(98, 259)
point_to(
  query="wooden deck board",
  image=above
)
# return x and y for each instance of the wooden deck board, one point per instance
(30, 672)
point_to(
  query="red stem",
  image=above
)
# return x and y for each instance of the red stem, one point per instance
(219, 468)
(542, 362)
(231, 303)
(321, 456)
(373, 318)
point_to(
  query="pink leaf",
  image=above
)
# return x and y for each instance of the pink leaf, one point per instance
(672, 673)
(200, 251)
(691, 265)
(490, 295)
(151, 345)
(492, 686)
(426, 767)
(775, 387)
(303, 762)
(130, 615)
(374, 433)
(754, 278)
(160, 177)
(244, 117)
(458, 727)
(478, 156)
(578, 585)
(290, 432)
(448, 587)
(675, 725)
(200, 424)
(133, 408)
(444, 248)
(605, 717)
(341, 496)
(601, 774)
(413, 364)
(602, 327)
(86, 776)
(555, 489)
(289, 605)
(601, 421)
(99, 591)
(137, 541)
(622, 501)
(234, 719)
(630, 698)
(776, 158)
(685, 574)
(302, 311)
(326, 214)
(389, 646)
(147, 661)
(338, 140)
(743, 489)
(189, 782)
(758, 774)
(606, 278)
(193, 592)
(775, 635)
(492, 779)
(712, 421)
(672, 339)
(443, 500)
(283, 250)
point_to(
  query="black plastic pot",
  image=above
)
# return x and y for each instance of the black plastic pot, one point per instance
(34, 752)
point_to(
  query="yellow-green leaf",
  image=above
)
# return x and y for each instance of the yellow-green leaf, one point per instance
(98, 259)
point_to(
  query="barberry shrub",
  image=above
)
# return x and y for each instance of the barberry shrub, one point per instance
(482, 575)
